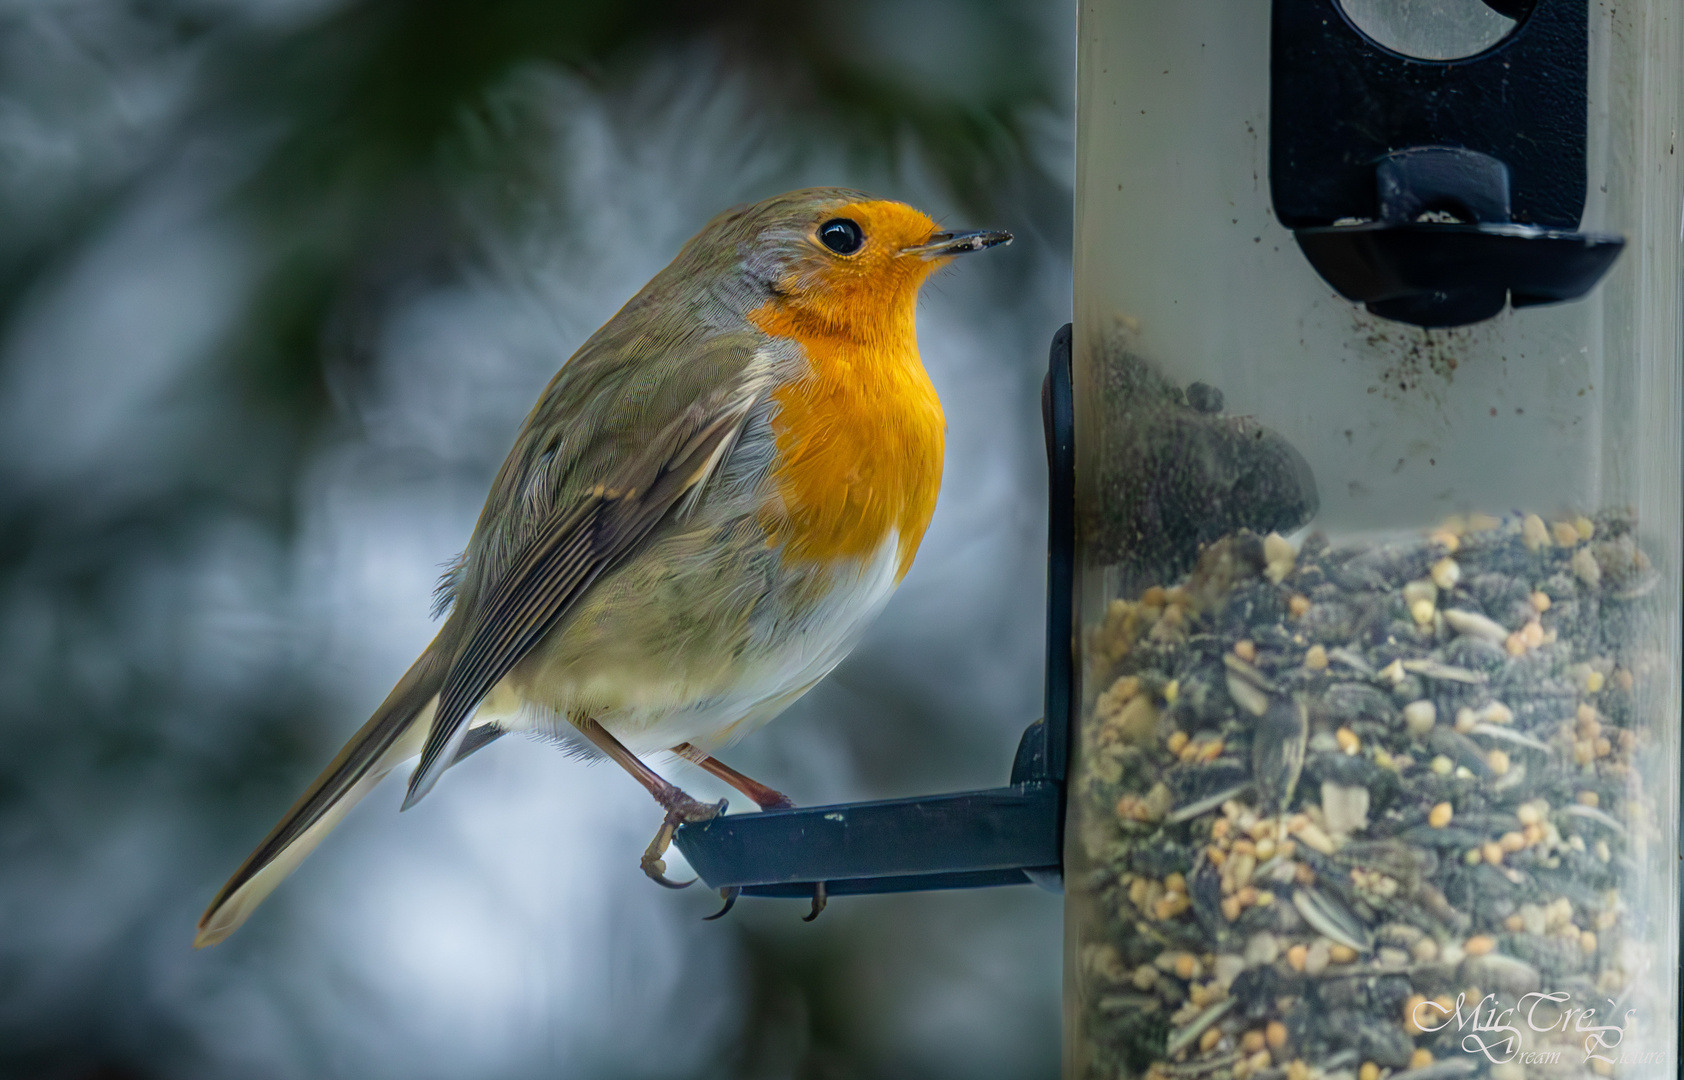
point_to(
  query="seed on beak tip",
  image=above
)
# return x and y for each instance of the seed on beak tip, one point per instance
(946, 244)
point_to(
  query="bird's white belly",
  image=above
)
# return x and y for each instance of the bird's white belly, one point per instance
(659, 713)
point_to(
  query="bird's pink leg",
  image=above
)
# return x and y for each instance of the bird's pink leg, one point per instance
(680, 807)
(763, 796)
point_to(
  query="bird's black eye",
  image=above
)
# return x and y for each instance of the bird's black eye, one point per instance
(841, 236)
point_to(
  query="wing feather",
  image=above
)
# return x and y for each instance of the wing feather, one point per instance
(573, 549)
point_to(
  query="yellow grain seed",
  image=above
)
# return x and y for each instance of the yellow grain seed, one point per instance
(1216, 856)
(1219, 828)
(1265, 848)
(1246, 650)
(1445, 539)
(1231, 908)
(1316, 658)
(1170, 906)
(1479, 945)
(1295, 957)
(1298, 605)
(1540, 602)
(1296, 1069)
(1342, 954)
(1247, 896)
(1242, 846)
(1587, 942)
(1515, 645)
(1439, 816)
(1584, 526)
(1348, 740)
(1313, 835)
(1422, 611)
(1154, 597)
(1563, 533)
(1171, 691)
(1421, 1058)
(1499, 762)
(1176, 883)
(1514, 924)
(1186, 966)
(1588, 798)
(1212, 750)
(1265, 897)
(1177, 742)
(1253, 1041)
(1208, 1041)
(1369, 1071)
(1534, 533)
(1512, 842)
(1275, 1034)
(1604, 748)
(1492, 853)
(1534, 835)
(1532, 634)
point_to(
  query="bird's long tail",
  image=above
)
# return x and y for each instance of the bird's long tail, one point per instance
(395, 732)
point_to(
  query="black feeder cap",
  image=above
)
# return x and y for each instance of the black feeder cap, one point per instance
(1436, 192)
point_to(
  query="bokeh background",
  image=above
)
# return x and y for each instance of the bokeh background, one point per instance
(278, 281)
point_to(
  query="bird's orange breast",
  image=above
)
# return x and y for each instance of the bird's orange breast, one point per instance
(859, 439)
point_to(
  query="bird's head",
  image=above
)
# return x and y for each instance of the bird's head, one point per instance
(838, 261)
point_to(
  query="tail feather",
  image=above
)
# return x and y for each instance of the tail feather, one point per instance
(395, 732)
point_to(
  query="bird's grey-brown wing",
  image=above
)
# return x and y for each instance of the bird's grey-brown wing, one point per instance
(579, 541)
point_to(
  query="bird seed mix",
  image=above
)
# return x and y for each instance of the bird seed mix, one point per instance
(1336, 805)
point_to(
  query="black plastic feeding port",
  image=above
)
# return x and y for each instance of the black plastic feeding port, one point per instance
(1002, 836)
(1436, 191)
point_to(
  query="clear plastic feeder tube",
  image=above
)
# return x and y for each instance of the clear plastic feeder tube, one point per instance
(1377, 768)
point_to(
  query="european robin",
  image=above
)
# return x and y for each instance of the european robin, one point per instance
(709, 502)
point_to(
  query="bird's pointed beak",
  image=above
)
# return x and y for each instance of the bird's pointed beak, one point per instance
(942, 245)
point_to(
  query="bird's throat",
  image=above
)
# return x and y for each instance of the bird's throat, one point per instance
(859, 438)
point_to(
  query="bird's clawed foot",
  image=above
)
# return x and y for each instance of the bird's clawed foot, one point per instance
(682, 809)
(819, 901)
(728, 894)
